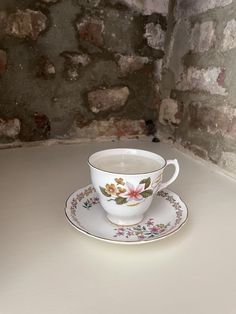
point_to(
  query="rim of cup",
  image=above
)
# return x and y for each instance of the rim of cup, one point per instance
(132, 151)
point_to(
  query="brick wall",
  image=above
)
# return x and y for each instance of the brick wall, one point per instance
(198, 107)
(80, 68)
(99, 68)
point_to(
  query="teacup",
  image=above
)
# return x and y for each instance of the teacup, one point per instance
(126, 181)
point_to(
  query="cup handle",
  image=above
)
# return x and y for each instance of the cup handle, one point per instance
(175, 163)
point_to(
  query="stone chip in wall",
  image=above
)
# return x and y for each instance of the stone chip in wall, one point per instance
(155, 36)
(107, 98)
(26, 24)
(10, 128)
(46, 68)
(73, 62)
(130, 64)
(76, 58)
(170, 112)
(91, 30)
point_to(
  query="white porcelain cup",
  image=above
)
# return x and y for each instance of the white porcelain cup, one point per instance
(126, 193)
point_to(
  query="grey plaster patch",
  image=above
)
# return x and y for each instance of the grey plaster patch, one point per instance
(147, 7)
(186, 8)
(229, 40)
(203, 36)
(122, 31)
(158, 64)
(180, 46)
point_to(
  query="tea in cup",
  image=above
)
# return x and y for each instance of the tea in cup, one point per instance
(126, 180)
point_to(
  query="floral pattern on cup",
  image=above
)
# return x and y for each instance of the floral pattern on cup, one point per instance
(149, 229)
(123, 192)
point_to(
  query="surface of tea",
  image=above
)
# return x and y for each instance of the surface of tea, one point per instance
(127, 164)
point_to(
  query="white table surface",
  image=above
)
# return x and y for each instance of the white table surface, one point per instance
(48, 267)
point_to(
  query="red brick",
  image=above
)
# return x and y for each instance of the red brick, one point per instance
(3, 62)
(109, 129)
(91, 30)
(26, 23)
(207, 80)
(130, 64)
(221, 78)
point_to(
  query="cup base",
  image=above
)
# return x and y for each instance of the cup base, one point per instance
(125, 222)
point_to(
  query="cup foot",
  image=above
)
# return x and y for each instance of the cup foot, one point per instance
(125, 222)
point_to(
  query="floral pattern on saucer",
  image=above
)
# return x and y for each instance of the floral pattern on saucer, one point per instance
(165, 216)
(149, 229)
(175, 204)
(88, 203)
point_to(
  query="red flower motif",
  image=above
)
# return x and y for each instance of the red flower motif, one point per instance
(133, 193)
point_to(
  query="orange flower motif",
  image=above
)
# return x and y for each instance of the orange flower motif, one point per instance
(111, 189)
(120, 181)
(120, 190)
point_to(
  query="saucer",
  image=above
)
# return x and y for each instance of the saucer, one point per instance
(165, 216)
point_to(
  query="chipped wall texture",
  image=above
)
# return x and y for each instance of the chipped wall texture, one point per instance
(114, 68)
(147, 7)
(198, 79)
(79, 63)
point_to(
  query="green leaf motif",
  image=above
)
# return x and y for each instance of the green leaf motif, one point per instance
(147, 182)
(146, 193)
(104, 192)
(120, 200)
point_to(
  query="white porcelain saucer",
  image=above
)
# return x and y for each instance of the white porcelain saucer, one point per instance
(166, 215)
